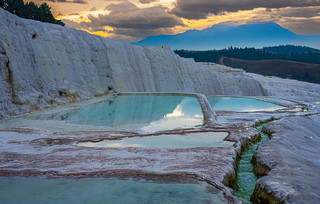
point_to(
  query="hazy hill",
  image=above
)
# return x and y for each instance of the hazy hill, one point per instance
(287, 52)
(289, 49)
(281, 68)
(223, 35)
(286, 61)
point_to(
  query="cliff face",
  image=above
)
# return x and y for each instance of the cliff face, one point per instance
(42, 65)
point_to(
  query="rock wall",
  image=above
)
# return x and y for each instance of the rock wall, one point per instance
(44, 65)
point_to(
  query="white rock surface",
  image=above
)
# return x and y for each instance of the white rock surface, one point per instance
(42, 65)
(274, 86)
(292, 154)
(288, 88)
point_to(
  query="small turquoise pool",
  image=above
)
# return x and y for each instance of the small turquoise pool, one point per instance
(141, 113)
(35, 190)
(280, 100)
(240, 104)
(172, 141)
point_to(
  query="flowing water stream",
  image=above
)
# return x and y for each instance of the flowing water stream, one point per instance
(246, 178)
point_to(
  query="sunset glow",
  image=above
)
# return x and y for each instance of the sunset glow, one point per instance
(134, 20)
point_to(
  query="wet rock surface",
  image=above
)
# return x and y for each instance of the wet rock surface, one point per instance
(32, 153)
(292, 155)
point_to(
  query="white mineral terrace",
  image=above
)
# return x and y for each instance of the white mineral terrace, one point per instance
(60, 89)
(57, 143)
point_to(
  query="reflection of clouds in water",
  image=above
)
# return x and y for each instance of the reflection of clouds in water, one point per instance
(187, 114)
(189, 140)
(177, 112)
(172, 123)
(126, 113)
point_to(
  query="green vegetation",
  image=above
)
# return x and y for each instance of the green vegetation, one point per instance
(285, 61)
(261, 195)
(283, 52)
(261, 122)
(30, 11)
(259, 170)
(289, 49)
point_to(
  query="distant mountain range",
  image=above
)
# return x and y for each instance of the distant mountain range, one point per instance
(223, 35)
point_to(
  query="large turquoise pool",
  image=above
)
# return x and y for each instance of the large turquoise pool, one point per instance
(141, 113)
(35, 190)
(240, 104)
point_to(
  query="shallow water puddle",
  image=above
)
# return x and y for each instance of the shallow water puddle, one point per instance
(38, 190)
(141, 113)
(172, 141)
(240, 104)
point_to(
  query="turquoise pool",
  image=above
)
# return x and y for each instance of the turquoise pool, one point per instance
(280, 100)
(35, 190)
(240, 104)
(141, 113)
(172, 141)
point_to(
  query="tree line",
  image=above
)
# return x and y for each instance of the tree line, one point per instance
(30, 10)
(287, 52)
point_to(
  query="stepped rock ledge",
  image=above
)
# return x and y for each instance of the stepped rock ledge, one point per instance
(44, 65)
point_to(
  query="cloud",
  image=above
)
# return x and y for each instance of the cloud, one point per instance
(306, 26)
(127, 19)
(200, 9)
(73, 14)
(68, 1)
(147, 1)
(303, 21)
(306, 12)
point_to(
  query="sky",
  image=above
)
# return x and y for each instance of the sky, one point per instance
(134, 20)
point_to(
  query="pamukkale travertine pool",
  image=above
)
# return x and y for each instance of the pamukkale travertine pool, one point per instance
(119, 135)
(39, 190)
(172, 141)
(137, 112)
(241, 104)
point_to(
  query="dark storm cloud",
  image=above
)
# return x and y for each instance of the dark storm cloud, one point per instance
(127, 18)
(147, 1)
(198, 9)
(304, 26)
(299, 12)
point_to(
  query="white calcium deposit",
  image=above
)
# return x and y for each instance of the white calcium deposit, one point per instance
(288, 88)
(292, 154)
(42, 65)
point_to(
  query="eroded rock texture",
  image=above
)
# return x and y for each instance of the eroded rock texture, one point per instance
(292, 154)
(43, 64)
